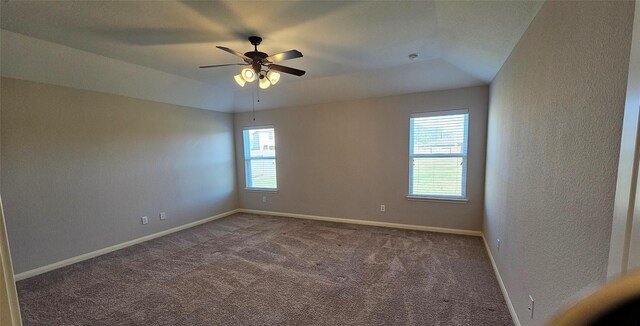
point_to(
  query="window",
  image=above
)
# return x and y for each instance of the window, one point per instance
(260, 158)
(438, 154)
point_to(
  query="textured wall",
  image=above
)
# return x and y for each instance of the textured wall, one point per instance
(346, 159)
(79, 169)
(555, 118)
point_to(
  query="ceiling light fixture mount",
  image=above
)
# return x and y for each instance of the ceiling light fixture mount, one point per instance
(262, 66)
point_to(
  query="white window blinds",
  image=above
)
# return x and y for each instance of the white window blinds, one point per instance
(260, 158)
(438, 154)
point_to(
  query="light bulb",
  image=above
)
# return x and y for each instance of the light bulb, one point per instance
(273, 77)
(264, 83)
(248, 74)
(239, 80)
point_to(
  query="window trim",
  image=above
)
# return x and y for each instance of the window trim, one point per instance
(438, 200)
(465, 161)
(247, 159)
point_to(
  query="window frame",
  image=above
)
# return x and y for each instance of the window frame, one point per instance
(464, 156)
(247, 158)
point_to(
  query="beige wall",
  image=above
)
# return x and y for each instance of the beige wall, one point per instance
(346, 159)
(80, 168)
(555, 119)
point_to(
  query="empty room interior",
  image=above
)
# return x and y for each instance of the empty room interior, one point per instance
(319, 162)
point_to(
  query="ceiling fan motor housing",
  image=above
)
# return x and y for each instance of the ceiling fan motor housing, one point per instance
(257, 57)
(256, 66)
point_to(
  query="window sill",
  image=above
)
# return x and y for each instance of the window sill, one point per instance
(437, 199)
(261, 190)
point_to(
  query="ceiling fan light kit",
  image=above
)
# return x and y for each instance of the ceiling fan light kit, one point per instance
(239, 80)
(273, 77)
(248, 75)
(261, 65)
(264, 83)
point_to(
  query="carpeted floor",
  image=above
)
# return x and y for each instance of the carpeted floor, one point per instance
(261, 270)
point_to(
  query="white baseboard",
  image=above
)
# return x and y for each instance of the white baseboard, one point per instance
(365, 222)
(89, 255)
(512, 310)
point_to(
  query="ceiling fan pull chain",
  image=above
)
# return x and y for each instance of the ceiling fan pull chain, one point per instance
(253, 102)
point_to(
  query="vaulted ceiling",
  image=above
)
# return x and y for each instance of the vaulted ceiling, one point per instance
(351, 49)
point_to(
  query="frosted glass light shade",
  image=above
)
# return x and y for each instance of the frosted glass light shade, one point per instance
(273, 77)
(248, 75)
(239, 80)
(264, 83)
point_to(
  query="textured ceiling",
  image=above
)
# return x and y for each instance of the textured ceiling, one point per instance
(351, 49)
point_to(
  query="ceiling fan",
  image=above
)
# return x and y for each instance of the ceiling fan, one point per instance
(263, 66)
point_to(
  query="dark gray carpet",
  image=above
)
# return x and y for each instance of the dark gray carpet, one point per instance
(261, 270)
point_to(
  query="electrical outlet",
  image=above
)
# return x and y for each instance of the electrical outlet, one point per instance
(383, 208)
(530, 308)
(498, 244)
(264, 199)
(163, 216)
(145, 220)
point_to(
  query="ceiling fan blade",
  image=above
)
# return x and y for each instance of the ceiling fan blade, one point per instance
(287, 70)
(224, 65)
(291, 54)
(236, 53)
